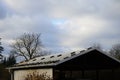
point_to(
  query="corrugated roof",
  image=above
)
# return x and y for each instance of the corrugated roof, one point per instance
(52, 59)
(49, 59)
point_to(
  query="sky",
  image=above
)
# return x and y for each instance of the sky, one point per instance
(65, 25)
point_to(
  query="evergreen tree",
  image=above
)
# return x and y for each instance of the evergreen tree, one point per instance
(1, 48)
(9, 61)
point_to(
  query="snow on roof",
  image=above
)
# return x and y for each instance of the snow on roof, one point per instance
(51, 59)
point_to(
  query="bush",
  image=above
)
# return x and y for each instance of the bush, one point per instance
(37, 76)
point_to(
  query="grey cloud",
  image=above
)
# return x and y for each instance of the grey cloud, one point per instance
(50, 33)
(90, 21)
(3, 11)
(53, 8)
(23, 24)
(65, 7)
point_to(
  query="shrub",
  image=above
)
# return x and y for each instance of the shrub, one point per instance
(36, 76)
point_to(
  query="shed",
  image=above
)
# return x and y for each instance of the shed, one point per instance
(89, 64)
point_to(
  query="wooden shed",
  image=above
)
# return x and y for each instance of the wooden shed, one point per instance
(89, 64)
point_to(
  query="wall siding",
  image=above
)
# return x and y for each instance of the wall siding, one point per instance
(20, 74)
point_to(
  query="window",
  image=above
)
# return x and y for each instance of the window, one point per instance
(59, 55)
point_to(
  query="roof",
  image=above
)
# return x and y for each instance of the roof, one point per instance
(56, 59)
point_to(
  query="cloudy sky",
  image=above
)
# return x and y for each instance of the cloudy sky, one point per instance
(64, 24)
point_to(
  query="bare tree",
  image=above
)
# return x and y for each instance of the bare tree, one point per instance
(115, 51)
(97, 46)
(28, 46)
